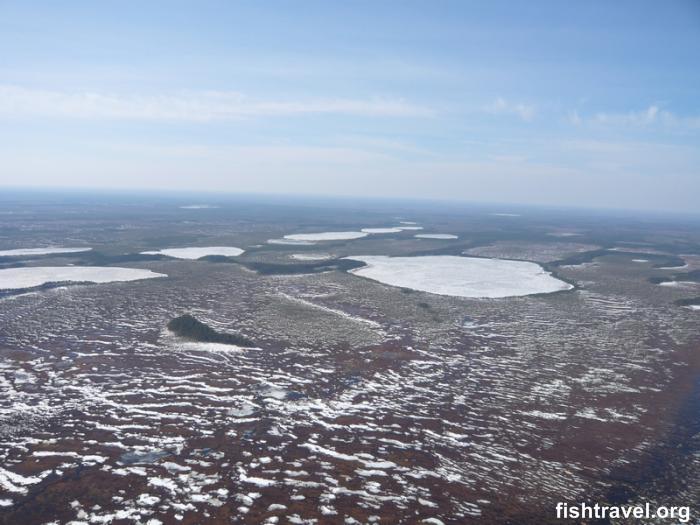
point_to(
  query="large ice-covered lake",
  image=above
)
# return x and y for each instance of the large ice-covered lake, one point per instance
(460, 276)
(31, 276)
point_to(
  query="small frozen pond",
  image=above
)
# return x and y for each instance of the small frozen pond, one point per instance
(325, 236)
(397, 229)
(41, 251)
(197, 252)
(460, 276)
(311, 256)
(436, 236)
(29, 277)
(290, 242)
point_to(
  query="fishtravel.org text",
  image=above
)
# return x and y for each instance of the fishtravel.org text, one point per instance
(578, 511)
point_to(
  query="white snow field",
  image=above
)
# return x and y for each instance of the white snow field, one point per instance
(460, 276)
(28, 277)
(436, 236)
(325, 236)
(41, 251)
(197, 252)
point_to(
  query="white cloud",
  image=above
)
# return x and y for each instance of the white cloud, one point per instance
(648, 117)
(189, 106)
(636, 118)
(501, 106)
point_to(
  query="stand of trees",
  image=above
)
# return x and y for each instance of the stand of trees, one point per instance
(190, 328)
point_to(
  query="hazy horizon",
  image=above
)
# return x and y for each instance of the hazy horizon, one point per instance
(217, 198)
(544, 103)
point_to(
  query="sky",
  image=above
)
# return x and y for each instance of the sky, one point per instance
(593, 104)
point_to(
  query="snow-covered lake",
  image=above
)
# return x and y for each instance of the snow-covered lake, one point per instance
(197, 252)
(29, 277)
(436, 236)
(460, 276)
(41, 251)
(326, 236)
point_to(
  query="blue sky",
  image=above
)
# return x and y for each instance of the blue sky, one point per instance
(590, 103)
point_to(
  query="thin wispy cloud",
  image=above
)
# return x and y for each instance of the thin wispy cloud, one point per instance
(652, 115)
(501, 106)
(189, 106)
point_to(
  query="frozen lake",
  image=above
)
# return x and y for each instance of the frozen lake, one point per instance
(197, 252)
(326, 236)
(41, 251)
(29, 277)
(460, 276)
